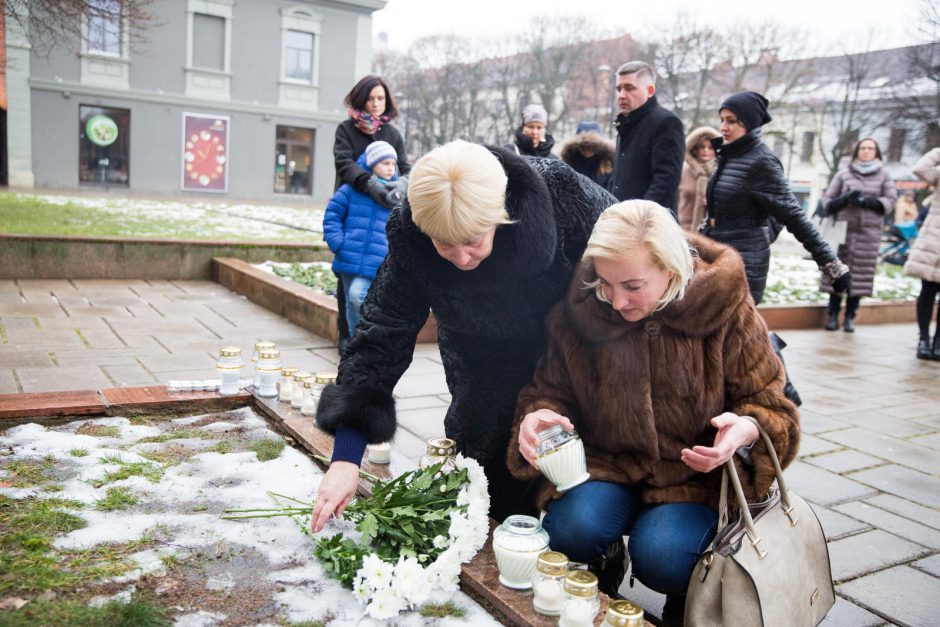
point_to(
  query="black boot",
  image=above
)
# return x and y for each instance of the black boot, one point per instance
(610, 568)
(833, 322)
(835, 302)
(923, 347)
(935, 353)
(849, 325)
(851, 308)
(674, 611)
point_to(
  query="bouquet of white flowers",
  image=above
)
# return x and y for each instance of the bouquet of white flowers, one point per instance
(416, 530)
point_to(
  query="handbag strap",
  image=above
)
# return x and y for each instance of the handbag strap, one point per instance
(730, 471)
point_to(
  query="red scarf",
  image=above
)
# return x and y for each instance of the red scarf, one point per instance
(366, 123)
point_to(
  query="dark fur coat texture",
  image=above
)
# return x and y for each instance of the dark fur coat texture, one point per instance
(640, 392)
(490, 320)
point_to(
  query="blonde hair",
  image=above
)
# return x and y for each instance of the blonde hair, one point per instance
(634, 225)
(457, 192)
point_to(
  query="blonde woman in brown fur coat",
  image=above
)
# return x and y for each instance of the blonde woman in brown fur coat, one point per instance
(654, 355)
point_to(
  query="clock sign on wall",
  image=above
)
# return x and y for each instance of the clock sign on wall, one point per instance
(205, 153)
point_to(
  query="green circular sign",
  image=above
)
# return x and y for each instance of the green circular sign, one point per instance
(101, 130)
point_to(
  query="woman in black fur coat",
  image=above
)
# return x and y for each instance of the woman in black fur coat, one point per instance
(488, 240)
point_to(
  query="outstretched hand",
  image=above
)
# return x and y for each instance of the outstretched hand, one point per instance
(530, 427)
(733, 433)
(337, 488)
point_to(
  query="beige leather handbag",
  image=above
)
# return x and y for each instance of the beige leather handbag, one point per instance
(769, 567)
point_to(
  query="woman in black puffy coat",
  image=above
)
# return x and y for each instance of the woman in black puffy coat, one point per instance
(748, 199)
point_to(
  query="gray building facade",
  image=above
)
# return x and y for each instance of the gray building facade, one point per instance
(233, 97)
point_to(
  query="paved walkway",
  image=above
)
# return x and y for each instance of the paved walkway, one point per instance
(869, 459)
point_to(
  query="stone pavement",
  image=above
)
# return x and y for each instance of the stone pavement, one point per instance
(869, 459)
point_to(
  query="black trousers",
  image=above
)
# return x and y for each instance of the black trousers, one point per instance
(925, 300)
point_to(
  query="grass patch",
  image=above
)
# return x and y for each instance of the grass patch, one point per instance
(99, 431)
(53, 487)
(223, 446)
(179, 434)
(442, 610)
(170, 455)
(147, 470)
(79, 452)
(26, 473)
(267, 449)
(117, 498)
(138, 612)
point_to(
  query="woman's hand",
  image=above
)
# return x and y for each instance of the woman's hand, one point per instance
(337, 487)
(530, 427)
(733, 433)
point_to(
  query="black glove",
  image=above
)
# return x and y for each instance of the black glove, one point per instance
(842, 284)
(379, 192)
(872, 203)
(837, 204)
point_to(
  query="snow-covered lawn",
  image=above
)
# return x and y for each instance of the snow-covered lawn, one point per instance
(178, 476)
(793, 279)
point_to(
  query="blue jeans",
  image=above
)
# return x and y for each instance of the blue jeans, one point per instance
(356, 288)
(666, 540)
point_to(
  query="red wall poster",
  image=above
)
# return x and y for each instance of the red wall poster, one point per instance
(205, 153)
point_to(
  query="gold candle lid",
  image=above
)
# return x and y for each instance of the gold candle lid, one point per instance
(552, 563)
(300, 375)
(230, 351)
(263, 345)
(269, 353)
(581, 583)
(289, 371)
(323, 378)
(441, 447)
(621, 612)
(308, 382)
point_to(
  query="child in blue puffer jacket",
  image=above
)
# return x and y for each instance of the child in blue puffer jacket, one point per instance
(354, 227)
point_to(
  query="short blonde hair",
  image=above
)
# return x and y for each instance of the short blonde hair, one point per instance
(634, 225)
(457, 192)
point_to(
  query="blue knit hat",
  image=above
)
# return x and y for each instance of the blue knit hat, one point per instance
(379, 151)
(589, 126)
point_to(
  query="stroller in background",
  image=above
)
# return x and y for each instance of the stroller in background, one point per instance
(897, 240)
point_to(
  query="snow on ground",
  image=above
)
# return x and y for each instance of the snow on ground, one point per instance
(210, 482)
(793, 279)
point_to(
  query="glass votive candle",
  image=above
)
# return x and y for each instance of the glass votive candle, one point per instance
(380, 453)
(285, 387)
(517, 544)
(268, 369)
(259, 346)
(560, 457)
(229, 366)
(581, 604)
(297, 390)
(548, 583)
(621, 613)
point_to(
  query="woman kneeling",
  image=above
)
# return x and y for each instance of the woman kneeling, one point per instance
(654, 355)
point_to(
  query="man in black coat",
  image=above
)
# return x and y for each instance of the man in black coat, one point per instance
(489, 294)
(650, 141)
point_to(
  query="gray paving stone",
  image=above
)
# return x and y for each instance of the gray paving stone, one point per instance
(836, 525)
(173, 327)
(906, 595)
(44, 337)
(145, 312)
(24, 358)
(811, 445)
(930, 565)
(891, 522)
(811, 422)
(903, 507)
(46, 285)
(61, 379)
(30, 310)
(932, 441)
(326, 353)
(823, 487)
(409, 445)
(421, 385)
(129, 375)
(98, 312)
(419, 402)
(178, 361)
(423, 423)
(305, 360)
(101, 338)
(913, 410)
(7, 382)
(73, 323)
(844, 461)
(877, 420)
(869, 551)
(847, 614)
(13, 326)
(899, 451)
(903, 482)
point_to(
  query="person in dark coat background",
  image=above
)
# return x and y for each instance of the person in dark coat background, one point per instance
(371, 109)
(861, 194)
(749, 188)
(488, 240)
(589, 153)
(532, 137)
(650, 141)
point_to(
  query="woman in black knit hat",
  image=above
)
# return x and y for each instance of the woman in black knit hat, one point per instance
(748, 199)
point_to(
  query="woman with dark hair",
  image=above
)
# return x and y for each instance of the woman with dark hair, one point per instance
(748, 198)
(860, 194)
(371, 108)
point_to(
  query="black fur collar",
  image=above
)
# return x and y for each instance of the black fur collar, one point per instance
(524, 248)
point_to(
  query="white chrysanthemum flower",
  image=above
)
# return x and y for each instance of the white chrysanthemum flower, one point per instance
(385, 604)
(439, 542)
(361, 590)
(411, 581)
(376, 572)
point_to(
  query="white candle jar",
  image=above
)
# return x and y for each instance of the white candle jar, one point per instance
(259, 346)
(268, 369)
(517, 544)
(308, 406)
(380, 453)
(297, 392)
(621, 613)
(440, 450)
(229, 366)
(581, 604)
(548, 583)
(560, 457)
(285, 387)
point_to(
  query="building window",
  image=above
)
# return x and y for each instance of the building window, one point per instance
(896, 144)
(848, 141)
(806, 150)
(104, 26)
(779, 146)
(209, 41)
(298, 55)
(293, 161)
(103, 145)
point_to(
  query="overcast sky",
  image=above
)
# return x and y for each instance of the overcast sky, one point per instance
(837, 25)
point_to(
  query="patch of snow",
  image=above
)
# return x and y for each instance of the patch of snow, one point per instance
(200, 619)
